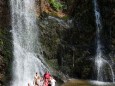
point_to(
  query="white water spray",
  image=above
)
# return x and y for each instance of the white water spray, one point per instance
(99, 59)
(26, 43)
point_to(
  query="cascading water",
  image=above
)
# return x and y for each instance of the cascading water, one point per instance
(26, 43)
(99, 59)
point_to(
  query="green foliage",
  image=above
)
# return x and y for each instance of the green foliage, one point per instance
(57, 5)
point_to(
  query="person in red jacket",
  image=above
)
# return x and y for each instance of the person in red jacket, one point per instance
(46, 78)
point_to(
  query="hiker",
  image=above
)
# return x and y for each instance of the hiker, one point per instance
(52, 81)
(36, 80)
(28, 84)
(46, 78)
(41, 81)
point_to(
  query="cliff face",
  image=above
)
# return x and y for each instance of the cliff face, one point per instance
(107, 8)
(5, 41)
(74, 47)
(71, 44)
(82, 40)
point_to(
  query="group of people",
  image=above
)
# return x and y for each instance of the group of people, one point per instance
(46, 80)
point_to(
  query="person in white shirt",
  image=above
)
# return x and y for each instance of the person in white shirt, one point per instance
(52, 81)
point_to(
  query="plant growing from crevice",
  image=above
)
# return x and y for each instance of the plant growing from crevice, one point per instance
(56, 5)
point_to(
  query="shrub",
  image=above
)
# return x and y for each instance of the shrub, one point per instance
(56, 5)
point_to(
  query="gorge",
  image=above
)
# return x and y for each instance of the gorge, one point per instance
(74, 38)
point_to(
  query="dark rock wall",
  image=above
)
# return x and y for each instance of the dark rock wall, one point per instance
(107, 8)
(52, 32)
(5, 42)
(72, 46)
(81, 41)
(75, 47)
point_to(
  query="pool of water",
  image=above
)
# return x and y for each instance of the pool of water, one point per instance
(74, 82)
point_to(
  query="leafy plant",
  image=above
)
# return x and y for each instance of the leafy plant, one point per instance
(57, 5)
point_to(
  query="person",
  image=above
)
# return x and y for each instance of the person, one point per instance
(36, 79)
(52, 81)
(46, 78)
(41, 82)
(28, 84)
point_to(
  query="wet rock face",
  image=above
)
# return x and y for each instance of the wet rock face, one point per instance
(4, 13)
(5, 40)
(52, 31)
(71, 42)
(83, 34)
(2, 70)
(108, 20)
(107, 8)
(1, 46)
(74, 47)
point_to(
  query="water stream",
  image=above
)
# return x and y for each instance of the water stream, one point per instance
(27, 51)
(100, 60)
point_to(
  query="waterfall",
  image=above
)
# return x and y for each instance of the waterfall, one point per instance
(27, 51)
(100, 62)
